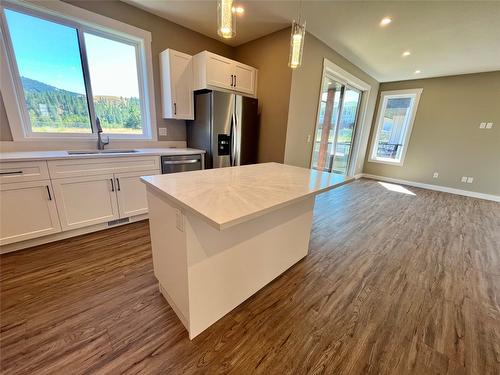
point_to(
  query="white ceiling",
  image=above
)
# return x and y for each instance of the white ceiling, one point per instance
(444, 37)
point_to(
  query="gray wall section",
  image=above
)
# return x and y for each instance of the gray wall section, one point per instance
(446, 137)
(5, 134)
(304, 98)
(269, 54)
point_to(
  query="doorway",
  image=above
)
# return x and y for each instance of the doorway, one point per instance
(336, 126)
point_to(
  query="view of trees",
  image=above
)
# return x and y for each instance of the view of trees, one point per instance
(55, 110)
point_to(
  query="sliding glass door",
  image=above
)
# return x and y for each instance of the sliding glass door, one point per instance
(336, 125)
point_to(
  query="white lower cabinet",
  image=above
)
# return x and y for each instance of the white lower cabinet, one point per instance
(84, 201)
(27, 210)
(131, 193)
(44, 198)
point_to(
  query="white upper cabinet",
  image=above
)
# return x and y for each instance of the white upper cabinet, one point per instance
(176, 69)
(245, 78)
(218, 71)
(212, 71)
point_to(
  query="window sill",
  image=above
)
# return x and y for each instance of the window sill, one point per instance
(397, 163)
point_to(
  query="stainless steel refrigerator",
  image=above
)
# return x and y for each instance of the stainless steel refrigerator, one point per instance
(226, 126)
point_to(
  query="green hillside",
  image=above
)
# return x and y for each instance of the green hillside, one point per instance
(55, 110)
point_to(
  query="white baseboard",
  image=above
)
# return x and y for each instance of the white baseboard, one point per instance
(444, 189)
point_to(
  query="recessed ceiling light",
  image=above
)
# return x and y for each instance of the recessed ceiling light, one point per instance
(406, 53)
(417, 72)
(239, 10)
(385, 21)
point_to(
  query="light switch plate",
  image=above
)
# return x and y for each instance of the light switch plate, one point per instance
(489, 125)
(482, 125)
(464, 179)
(470, 179)
(162, 131)
(435, 175)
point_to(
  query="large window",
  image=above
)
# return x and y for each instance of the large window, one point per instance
(395, 118)
(69, 75)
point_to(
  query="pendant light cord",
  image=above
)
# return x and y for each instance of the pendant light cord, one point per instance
(300, 12)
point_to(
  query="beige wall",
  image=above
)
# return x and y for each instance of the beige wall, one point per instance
(270, 55)
(165, 34)
(446, 137)
(5, 134)
(304, 98)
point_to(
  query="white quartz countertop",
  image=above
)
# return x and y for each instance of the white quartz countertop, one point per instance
(49, 155)
(228, 196)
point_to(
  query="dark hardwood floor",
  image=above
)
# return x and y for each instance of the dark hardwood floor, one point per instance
(394, 284)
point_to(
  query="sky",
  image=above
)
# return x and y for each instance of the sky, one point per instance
(48, 52)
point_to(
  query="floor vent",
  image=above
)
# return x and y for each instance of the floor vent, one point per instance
(118, 221)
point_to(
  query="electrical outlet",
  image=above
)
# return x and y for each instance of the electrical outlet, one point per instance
(464, 179)
(489, 125)
(482, 125)
(162, 131)
(435, 175)
(470, 179)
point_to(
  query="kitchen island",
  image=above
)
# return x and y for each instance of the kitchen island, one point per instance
(220, 235)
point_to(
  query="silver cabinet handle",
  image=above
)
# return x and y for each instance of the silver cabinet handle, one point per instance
(182, 161)
(10, 173)
(118, 188)
(48, 192)
(112, 184)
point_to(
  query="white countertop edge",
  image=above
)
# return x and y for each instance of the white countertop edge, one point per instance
(253, 215)
(13, 156)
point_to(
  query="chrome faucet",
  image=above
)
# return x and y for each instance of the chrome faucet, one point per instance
(100, 142)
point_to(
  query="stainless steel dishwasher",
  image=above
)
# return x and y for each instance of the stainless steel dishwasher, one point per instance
(181, 163)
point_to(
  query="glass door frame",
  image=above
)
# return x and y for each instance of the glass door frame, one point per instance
(354, 128)
(344, 87)
(334, 72)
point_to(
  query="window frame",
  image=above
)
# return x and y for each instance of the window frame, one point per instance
(414, 94)
(84, 22)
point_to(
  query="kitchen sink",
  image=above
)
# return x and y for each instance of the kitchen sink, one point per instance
(97, 152)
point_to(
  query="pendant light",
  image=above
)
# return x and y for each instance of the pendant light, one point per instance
(226, 19)
(297, 41)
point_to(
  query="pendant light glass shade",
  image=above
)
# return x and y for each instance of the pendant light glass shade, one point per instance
(226, 19)
(296, 44)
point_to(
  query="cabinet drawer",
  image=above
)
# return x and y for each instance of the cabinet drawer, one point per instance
(23, 171)
(93, 167)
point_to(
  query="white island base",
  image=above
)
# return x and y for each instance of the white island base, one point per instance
(204, 272)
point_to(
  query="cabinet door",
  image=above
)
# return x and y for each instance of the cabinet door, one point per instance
(131, 192)
(181, 73)
(219, 71)
(84, 201)
(27, 210)
(245, 78)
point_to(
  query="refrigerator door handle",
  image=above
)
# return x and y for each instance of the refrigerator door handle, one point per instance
(233, 141)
